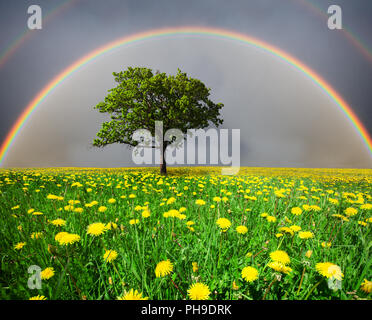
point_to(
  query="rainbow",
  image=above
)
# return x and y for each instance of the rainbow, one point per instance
(186, 31)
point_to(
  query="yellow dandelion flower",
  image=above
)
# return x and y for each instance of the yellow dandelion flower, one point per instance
(58, 222)
(195, 267)
(198, 291)
(65, 238)
(163, 268)
(280, 256)
(241, 229)
(133, 221)
(36, 235)
(47, 273)
(328, 269)
(278, 235)
(38, 297)
(270, 219)
(110, 255)
(326, 244)
(111, 200)
(102, 209)
(308, 253)
(366, 206)
(96, 229)
(132, 295)
(295, 228)
(224, 224)
(366, 286)
(249, 274)
(296, 211)
(19, 245)
(279, 267)
(200, 202)
(305, 235)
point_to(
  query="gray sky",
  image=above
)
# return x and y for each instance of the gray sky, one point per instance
(285, 119)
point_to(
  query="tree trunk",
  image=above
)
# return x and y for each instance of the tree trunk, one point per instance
(163, 164)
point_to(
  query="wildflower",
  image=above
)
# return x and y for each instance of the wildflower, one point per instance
(35, 213)
(79, 210)
(296, 211)
(280, 256)
(73, 202)
(224, 224)
(47, 273)
(111, 200)
(234, 286)
(278, 235)
(58, 222)
(287, 230)
(217, 199)
(96, 229)
(133, 221)
(102, 209)
(366, 206)
(145, 213)
(111, 225)
(171, 200)
(351, 211)
(328, 269)
(200, 202)
(36, 235)
(195, 267)
(163, 268)
(110, 255)
(270, 219)
(326, 244)
(65, 238)
(249, 274)
(366, 286)
(305, 235)
(279, 267)
(242, 229)
(19, 245)
(198, 291)
(279, 194)
(295, 228)
(38, 297)
(132, 295)
(315, 208)
(308, 253)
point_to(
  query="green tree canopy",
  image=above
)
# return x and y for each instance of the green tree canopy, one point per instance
(142, 97)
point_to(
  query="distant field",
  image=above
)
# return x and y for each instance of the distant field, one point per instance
(267, 233)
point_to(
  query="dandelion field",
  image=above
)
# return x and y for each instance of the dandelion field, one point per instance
(267, 233)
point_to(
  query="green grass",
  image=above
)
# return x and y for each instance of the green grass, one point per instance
(82, 273)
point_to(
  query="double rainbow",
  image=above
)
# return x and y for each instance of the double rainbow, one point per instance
(187, 31)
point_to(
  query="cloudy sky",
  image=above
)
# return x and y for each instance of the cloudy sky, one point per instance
(284, 118)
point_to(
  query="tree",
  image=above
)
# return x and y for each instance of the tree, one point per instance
(142, 97)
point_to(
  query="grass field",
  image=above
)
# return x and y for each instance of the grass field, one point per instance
(195, 234)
